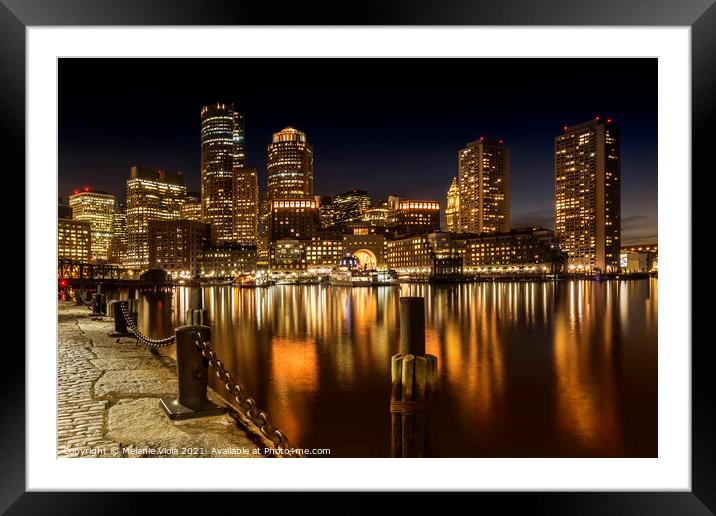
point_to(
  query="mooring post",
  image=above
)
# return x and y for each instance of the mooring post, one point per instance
(132, 300)
(196, 314)
(97, 304)
(412, 326)
(103, 298)
(193, 378)
(120, 321)
(413, 387)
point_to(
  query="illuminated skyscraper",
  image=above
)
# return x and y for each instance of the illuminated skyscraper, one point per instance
(290, 165)
(484, 187)
(97, 208)
(350, 206)
(222, 149)
(151, 195)
(117, 252)
(587, 193)
(452, 212)
(246, 206)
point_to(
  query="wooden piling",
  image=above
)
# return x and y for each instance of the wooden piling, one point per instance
(396, 390)
(413, 387)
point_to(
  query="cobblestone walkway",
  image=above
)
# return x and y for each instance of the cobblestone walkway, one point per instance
(108, 400)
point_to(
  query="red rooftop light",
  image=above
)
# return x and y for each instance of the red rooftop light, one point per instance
(77, 191)
(482, 138)
(501, 142)
(564, 127)
(609, 120)
(86, 188)
(596, 118)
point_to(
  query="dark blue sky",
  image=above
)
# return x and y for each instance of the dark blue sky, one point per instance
(382, 125)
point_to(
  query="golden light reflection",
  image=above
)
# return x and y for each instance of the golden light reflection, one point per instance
(565, 359)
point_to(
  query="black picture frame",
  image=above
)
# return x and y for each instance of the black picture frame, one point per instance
(700, 15)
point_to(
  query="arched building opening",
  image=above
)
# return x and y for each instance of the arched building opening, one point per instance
(366, 259)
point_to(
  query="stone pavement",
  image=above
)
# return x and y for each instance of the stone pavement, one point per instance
(108, 400)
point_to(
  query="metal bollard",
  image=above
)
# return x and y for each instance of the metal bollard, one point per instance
(97, 304)
(120, 323)
(193, 378)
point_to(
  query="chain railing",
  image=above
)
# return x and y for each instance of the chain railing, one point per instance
(147, 341)
(246, 403)
(84, 301)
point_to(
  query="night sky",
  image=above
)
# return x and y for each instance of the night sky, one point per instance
(388, 126)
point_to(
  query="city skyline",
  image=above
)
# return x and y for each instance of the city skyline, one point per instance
(407, 166)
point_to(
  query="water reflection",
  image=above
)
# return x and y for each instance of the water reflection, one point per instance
(526, 369)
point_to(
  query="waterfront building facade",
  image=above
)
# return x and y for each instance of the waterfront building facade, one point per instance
(287, 255)
(368, 249)
(452, 211)
(176, 246)
(97, 208)
(74, 239)
(222, 149)
(587, 192)
(151, 195)
(228, 261)
(246, 206)
(484, 186)
(323, 252)
(421, 256)
(534, 250)
(296, 218)
(413, 216)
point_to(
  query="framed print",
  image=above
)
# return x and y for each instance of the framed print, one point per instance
(415, 248)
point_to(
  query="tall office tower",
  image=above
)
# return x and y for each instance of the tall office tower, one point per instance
(97, 208)
(452, 212)
(246, 206)
(222, 149)
(484, 186)
(151, 195)
(290, 165)
(587, 194)
(117, 252)
(350, 206)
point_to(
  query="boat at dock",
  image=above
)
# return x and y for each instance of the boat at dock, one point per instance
(349, 274)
